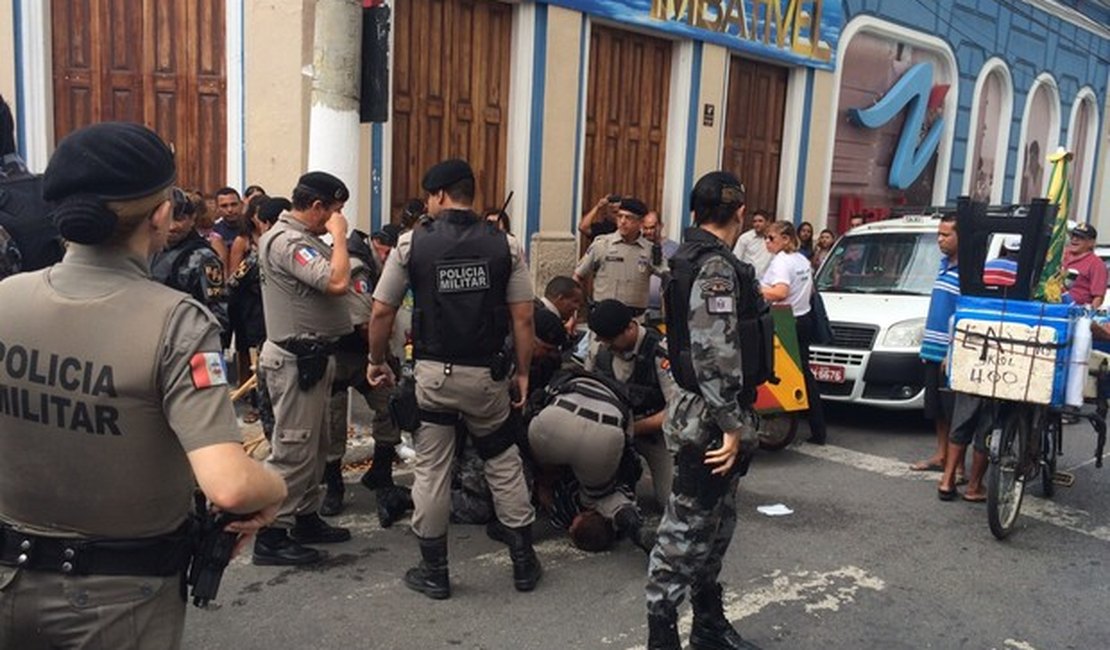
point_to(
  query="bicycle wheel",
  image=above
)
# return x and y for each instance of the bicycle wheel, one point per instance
(1050, 449)
(777, 431)
(1005, 477)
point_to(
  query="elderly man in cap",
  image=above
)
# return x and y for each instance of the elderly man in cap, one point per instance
(470, 290)
(95, 530)
(621, 263)
(304, 282)
(1086, 272)
(636, 356)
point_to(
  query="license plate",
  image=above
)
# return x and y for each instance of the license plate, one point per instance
(827, 374)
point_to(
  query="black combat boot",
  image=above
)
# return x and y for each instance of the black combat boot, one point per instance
(430, 576)
(311, 529)
(333, 482)
(272, 547)
(711, 630)
(380, 473)
(526, 566)
(663, 632)
(630, 523)
(393, 503)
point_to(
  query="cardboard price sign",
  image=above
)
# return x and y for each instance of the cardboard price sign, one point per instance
(1004, 360)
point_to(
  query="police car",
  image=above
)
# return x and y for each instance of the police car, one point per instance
(876, 285)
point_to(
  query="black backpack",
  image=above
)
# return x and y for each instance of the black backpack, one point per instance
(756, 325)
(25, 215)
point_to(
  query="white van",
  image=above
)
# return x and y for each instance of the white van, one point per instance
(876, 285)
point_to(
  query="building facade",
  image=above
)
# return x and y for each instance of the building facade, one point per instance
(825, 108)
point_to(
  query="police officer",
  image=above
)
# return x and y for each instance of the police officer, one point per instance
(189, 264)
(303, 284)
(470, 288)
(350, 372)
(636, 356)
(125, 406)
(28, 239)
(585, 422)
(621, 263)
(706, 423)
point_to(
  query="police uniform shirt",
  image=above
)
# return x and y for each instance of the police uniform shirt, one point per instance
(624, 363)
(360, 300)
(395, 277)
(296, 270)
(102, 398)
(621, 270)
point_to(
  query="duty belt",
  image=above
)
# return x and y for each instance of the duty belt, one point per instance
(307, 347)
(589, 414)
(165, 555)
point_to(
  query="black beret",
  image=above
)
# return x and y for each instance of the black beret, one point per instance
(323, 185)
(635, 206)
(446, 174)
(609, 318)
(113, 161)
(716, 189)
(272, 208)
(549, 328)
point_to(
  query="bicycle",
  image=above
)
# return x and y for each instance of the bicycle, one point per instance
(1027, 444)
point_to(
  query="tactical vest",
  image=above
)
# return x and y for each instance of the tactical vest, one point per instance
(756, 328)
(81, 411)
(644, 391)
(292, 308)
(23, 213)
(166, 266)
(459, 268)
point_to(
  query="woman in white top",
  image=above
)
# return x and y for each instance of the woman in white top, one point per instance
(789, 281)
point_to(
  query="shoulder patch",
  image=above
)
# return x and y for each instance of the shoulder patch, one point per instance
(361, 286)
(208, 370)
(664, 364)
(214, 272)
(719, 304)
(305, 254)
(718, 284)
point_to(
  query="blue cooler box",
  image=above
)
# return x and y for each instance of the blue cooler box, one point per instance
(1010, 349)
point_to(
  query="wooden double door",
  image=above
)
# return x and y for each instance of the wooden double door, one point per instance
(753, 130)
(451, 68)
(161, 64)
(626, 116)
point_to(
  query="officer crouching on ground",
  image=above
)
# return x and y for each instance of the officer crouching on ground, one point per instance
(584, 421)
(125, 403)
(636, 356)
(706, 423)
(469, 285)
(304, 282)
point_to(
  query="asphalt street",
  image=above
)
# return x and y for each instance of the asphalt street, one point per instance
(869, 558)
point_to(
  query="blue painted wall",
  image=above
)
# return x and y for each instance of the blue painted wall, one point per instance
(1031, 42)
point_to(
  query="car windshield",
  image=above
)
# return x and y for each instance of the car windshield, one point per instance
(904, 263)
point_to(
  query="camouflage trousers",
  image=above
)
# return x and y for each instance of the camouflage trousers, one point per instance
(692, 539)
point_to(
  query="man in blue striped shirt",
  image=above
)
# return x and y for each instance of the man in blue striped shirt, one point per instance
(934, 344)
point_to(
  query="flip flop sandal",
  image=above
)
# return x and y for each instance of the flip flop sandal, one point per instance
(922, 466)
(947, 495)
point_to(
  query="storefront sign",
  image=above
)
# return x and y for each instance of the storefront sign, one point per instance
(798, 32)
(915, 93)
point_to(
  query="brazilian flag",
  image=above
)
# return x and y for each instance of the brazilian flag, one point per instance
(1051, 286)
